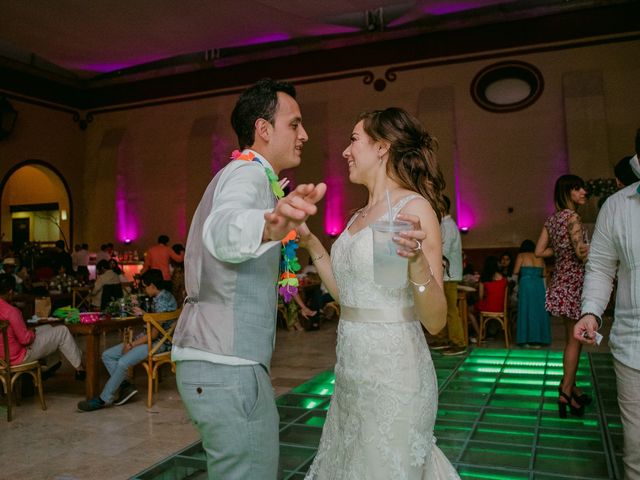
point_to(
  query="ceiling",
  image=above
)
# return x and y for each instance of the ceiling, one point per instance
(97, 40)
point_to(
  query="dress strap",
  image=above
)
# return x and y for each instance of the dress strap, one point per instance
(352, 219)
(403, 201)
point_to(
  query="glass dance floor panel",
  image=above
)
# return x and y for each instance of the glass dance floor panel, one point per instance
(497, 419)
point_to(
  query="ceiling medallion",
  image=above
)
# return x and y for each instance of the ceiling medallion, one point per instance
(507, 86)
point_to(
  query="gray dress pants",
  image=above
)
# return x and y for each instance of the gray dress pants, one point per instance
(233, 408)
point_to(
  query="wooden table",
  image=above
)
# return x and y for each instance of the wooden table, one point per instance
(92, 354)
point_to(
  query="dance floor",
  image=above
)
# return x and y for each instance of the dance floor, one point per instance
(497, 419)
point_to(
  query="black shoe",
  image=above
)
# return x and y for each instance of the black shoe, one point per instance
(48, 373)
(91, 405)
(126, 392)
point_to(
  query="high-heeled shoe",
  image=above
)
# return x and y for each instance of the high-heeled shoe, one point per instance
(562, 406)
(582, 399)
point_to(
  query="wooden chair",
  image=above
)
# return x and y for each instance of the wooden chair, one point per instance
(81, 297)
(10, 375)
(501, 317)
(331, 307)
(154, 321)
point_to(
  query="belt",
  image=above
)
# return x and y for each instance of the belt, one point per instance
(377, 315)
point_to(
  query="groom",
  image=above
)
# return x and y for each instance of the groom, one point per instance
(226, 333)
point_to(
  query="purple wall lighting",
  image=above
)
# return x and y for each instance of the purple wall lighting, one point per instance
(334, 206)
(126, 223)
(465, 215)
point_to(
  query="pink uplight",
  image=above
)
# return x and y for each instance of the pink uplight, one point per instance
(334, 204)
(126, 220)
(126, 224)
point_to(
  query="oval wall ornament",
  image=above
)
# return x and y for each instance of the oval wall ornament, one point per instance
(507, 86)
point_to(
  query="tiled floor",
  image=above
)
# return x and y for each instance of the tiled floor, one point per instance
(497, 419)
(120, 442)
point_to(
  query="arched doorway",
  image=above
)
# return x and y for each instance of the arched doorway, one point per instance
(35, 205)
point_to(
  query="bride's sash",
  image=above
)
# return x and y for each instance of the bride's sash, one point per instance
(377, 315)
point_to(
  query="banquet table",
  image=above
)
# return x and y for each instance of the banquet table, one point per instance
(93, 331)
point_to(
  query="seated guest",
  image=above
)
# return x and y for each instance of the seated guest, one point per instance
(105, 276)
(119, 358)
(317, 297)
(25, 280)
(505, 265)
(113, 265)
(26, 345)
(9, 266)
(491, 291)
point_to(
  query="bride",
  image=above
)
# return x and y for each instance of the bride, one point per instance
(380, 423)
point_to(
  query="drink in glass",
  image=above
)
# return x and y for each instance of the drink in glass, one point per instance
(389, 268)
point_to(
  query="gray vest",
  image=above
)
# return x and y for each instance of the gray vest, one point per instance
(231, 307)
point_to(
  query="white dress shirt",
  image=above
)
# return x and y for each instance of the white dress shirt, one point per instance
(233, 232)
(451, 248)
(616, 246)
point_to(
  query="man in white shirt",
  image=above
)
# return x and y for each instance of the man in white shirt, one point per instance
(225, 335)
(452, 251)
(616, 247)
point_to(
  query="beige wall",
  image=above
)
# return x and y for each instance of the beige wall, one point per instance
(48, 136)
(145, 168)
(32, 184)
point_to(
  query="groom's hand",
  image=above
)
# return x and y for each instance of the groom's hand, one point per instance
(292, 210)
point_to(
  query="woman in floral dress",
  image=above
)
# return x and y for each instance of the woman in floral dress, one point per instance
(563, 237)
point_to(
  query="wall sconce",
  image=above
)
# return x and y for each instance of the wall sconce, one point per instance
(127, 241)
(464, 230)
(63, 215)
(507, 86)
(8, 116)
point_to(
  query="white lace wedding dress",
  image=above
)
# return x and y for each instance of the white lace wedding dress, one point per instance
(380, 423)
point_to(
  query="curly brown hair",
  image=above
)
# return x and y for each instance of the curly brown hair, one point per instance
(412, 159)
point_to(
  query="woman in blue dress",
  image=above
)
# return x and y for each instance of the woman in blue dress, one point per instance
(533, 326)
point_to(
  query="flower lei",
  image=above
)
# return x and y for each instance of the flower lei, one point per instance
(289, 265)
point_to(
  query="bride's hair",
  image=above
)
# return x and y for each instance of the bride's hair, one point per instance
(412, 160)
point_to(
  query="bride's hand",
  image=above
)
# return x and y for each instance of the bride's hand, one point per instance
(304, 235)
(410, 241)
